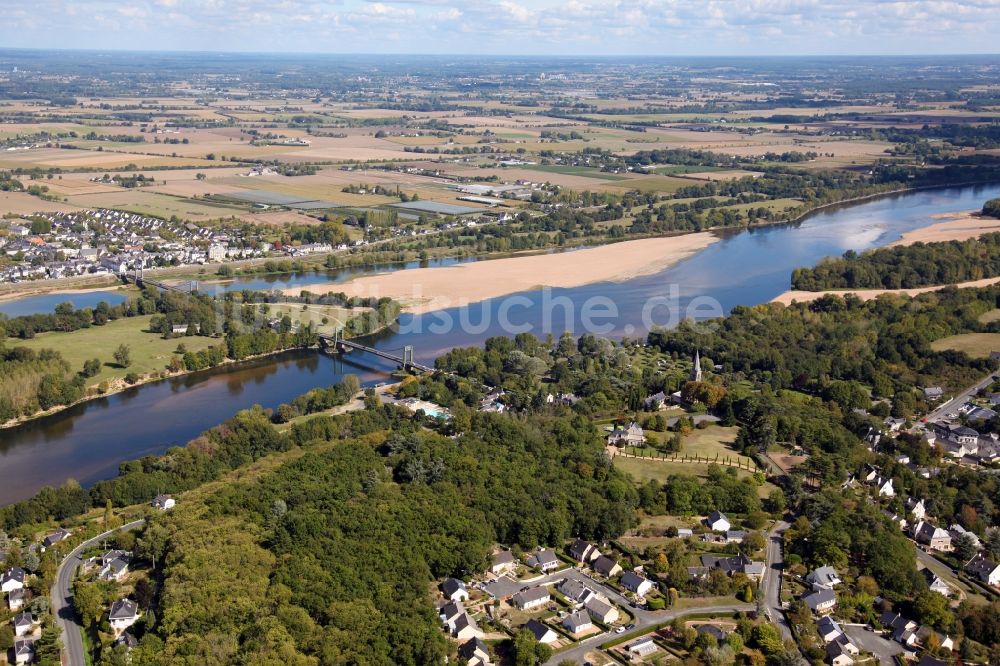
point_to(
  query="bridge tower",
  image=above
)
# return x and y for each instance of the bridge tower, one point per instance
(407, 356)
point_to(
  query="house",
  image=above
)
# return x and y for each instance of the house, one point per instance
(904, 631)
(636, 583)
(454, 589)
(824, 577)
(933, 392)
(531, 598)
(16, 598)
(578, 622)
(630, 435)
(54, 538)
(828, 629)
(474, 649)
(935, 584)
(128, 640)
(116, 569)
(893, 424)
(576, 591)
(916, 508)
(464, 628)
(606, 566)
(23, 624)
(885, 488)
(821, 601)
(841, 652)
(450, 612)
(12, 579)
(543, 633)
(717, 522)
(985, 570)
(544, 560)
(24, 652)
(124, 613)
(730, 565)
(735, 536)
(642, 647)
(164, 502)
(503, 562)
(602, 610)
(655, 402)
(924, 633)
(933, 537)
(684, 532)
(583, 551)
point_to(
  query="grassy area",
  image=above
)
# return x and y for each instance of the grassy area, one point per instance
(643, 471)
(713, 441)
(149, 352)
(991, 316)
(976, 345)
(315, 314)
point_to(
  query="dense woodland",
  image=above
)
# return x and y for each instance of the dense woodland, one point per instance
(906, 267)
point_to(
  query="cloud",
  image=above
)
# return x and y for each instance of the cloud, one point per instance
(604, 27)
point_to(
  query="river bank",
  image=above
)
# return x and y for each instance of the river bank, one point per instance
(951, 227)
(422, 290)
(797, 296)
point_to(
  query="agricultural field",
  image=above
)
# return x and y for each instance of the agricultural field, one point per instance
(976, 345)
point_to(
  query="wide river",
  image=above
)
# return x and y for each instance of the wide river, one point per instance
(87, 442)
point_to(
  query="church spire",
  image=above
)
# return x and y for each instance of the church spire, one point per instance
(696, 370)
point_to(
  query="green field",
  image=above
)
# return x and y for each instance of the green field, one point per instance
(976, 345)
(154, 204)
(150, 352)
(586, 172)
(315, 314)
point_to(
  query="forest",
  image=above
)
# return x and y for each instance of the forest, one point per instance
(906, 267)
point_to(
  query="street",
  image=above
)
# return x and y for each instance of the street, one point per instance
(62, 597)
(771, 584)
(959, 400)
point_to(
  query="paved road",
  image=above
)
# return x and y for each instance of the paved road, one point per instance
(62, 597)
(959, 400)
(772, 580)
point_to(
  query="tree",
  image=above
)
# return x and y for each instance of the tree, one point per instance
(965, 547)
(524, 649)
(91, 367)
(123, 355)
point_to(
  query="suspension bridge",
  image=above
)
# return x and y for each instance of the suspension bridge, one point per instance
(406, 360)
(136, 277)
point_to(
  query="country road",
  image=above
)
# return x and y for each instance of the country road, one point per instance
(959, 400)
(62, 597)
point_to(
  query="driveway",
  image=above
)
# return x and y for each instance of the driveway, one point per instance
(62, 597)
(868, 641)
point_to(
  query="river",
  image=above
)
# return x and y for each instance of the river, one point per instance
(88, 441)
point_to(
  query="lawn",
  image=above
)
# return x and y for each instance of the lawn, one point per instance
(150, 352)
(976, 345)
(315, 314)
(991, 316)
(658, 470)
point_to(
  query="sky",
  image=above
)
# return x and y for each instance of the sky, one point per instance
(509, 27)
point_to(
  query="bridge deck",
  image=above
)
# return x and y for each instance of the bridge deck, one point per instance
(377, 352)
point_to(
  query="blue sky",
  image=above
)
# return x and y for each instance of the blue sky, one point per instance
(597, 27)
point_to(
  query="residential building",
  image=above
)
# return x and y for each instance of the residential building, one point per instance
(630, 435)
(24, 652)
(730, 565)
(545, 560)
(821, 601)
(825, 577)
(464, 627)
(602, 610)
(957, 530)
(935, 583)
(16, 599)
(606, 566)
(933, 537)
(841, 652)
(475, 652)
(503, 562)
(983, 569)
(454, 589)
(635, 583)
(54, 538)
(531, 598)
(23, 623)
(828, 629)
(576, 591)
(578, 622)
(916, 507)
(543, 633)
(116, 569)
(124, 613)
(12, 579)
(717, 522)
(450, 612)
(165, 502)
(583, 551)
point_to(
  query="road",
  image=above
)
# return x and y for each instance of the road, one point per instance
(771, 583)
(959, 400)
(644, 618)
(62, 597)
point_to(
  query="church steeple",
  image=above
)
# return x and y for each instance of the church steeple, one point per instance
(696, 370)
